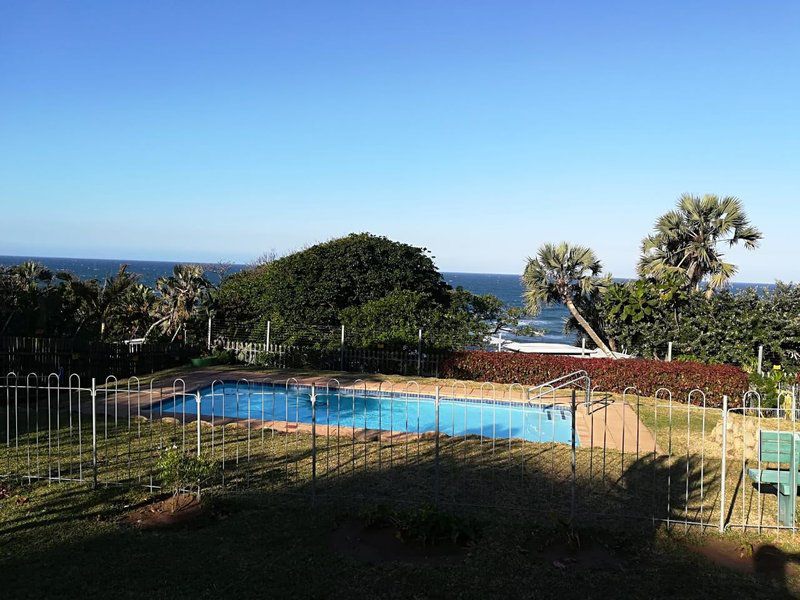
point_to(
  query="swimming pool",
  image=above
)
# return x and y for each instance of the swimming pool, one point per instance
(370, 409)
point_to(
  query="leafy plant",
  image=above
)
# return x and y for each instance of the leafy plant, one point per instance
(180, 471)
(768, 386)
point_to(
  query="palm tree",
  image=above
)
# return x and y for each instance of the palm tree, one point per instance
(686, 240)
(103, 301)
(564, 274)
(136, 309)
(180, 295)
(30, 274)
(24, 289)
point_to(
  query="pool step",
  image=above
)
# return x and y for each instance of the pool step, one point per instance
(564, 415)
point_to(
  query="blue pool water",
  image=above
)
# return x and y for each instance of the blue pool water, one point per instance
(377, 410)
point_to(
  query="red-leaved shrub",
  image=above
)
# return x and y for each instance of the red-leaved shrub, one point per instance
(607, 375)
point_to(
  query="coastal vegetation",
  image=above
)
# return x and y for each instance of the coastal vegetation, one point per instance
(681, 295)
(382, 291)
(36, 302)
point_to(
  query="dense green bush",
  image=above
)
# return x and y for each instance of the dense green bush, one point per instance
(315, 284)
(642, 317)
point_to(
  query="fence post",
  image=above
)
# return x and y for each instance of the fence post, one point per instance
(198, 398)
(761, 359)
(269, 327)
(341, 351)
(724, 466)
(419, 353)
(313, 443)
(436, 451)
(209, 333)
(669, 352)
(94, 434)
(574, 462)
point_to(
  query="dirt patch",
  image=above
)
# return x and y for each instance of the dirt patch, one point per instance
(375, 545)
(167, 513)
(730, 555)
(765, 560)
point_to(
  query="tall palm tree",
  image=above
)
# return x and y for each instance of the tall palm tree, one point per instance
(180, 294)
(562, 273)
(686, 240)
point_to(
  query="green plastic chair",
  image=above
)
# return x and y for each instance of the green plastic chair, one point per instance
(781, 448)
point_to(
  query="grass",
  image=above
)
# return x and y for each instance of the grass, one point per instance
(67, 541)
(264, 535)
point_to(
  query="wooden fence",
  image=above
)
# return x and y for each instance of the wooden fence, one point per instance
(87, 359)
(360, 360)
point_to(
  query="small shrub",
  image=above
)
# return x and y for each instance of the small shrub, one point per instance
(427, 525)
(224, 357)
(179, 471)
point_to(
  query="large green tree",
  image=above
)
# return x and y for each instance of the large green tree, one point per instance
(312, 286)
(689, 240)
(383, 291)
(564, 273)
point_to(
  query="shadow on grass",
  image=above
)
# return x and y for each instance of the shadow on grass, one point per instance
(67, 540)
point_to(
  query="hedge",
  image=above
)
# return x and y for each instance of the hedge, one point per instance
(607, 374)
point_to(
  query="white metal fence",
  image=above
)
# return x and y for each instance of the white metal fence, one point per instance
(557, 449)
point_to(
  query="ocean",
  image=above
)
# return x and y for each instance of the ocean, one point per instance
(506, 287)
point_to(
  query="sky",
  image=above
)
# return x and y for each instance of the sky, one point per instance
(210, 131)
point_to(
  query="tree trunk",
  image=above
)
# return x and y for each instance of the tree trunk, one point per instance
(587, 328)
(8, 320)
(153, 326)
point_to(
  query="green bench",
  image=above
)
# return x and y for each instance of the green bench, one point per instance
(781, 449)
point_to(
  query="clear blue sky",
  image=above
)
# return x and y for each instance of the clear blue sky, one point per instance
(204, 131)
